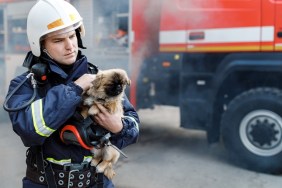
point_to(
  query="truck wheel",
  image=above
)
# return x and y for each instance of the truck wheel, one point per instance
(251, 130)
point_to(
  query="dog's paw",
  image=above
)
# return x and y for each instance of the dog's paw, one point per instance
(109, 172)
(99, 168)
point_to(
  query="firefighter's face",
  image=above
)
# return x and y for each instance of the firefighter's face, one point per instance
(63, 48)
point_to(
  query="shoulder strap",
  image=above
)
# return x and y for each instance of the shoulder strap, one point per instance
(93, 69)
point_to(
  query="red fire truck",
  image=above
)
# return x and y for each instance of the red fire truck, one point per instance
(220, 61)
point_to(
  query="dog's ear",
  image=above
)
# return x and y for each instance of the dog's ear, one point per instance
(128, 82)
(97, 81)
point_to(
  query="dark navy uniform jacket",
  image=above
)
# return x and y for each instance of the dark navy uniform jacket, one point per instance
(39, 123)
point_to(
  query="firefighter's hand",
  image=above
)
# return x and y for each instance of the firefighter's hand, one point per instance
(111, 122)
(85, 81)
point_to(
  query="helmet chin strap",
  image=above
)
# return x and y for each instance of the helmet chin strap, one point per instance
(79, 40)
(47, 53)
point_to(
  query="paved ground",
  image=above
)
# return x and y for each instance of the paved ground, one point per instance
(166, 156)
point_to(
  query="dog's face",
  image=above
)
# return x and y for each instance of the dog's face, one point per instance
(108, 85)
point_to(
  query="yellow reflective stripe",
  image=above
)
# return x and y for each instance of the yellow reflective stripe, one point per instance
(67, 161)
(59, 162)
(38, 120)
(87, 158)
(55, 24)
(72, 17)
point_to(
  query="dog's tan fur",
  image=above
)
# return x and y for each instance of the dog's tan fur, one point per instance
(108, 90)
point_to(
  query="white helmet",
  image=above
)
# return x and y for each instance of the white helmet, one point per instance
(47, 16)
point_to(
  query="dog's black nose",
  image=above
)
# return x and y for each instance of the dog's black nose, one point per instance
(114, 90)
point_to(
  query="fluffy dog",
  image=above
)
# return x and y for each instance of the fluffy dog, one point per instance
(108, 90)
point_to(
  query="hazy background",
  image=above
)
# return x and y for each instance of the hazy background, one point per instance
(165, 156)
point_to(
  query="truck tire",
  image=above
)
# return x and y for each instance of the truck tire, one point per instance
(251, 130)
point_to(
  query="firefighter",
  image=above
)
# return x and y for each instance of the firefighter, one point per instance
(54, 30)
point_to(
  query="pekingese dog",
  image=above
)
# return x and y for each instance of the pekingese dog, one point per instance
(108, 89)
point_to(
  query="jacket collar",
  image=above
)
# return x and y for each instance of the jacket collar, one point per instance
(80, 67)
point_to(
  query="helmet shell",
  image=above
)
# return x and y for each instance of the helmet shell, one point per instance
(47, 16)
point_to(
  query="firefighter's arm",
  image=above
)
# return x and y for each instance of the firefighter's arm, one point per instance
(45, 115)
(130, 127)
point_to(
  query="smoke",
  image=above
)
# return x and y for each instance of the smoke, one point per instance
(111, 15)
(104, 48)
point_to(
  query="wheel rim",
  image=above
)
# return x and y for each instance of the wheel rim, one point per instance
(260, 132)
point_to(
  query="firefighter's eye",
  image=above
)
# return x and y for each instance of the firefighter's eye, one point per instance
(72, 36)
(57, 40)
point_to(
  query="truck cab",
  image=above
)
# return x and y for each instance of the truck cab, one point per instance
(220, 61)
